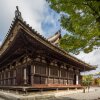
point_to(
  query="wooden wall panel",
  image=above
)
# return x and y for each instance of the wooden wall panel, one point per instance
(56, 81)
(19, 76)
(43, 70)
(43, 80)
(70, 75)
(63, 73)
(37, 80)
(37, 69)
(70, 81)
(40, 69)
(53, 72)
(50, 80)
(61, 81)
(65, 82)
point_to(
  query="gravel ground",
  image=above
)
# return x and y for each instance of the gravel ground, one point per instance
(93, 94)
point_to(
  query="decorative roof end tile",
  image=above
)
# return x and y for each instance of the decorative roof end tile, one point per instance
(18, 14)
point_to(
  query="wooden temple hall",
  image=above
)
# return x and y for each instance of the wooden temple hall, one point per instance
(29, 60)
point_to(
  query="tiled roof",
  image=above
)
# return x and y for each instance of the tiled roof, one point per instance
(57, 35)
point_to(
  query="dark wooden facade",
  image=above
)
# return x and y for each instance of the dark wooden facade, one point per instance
(28, 59)
(40, 69)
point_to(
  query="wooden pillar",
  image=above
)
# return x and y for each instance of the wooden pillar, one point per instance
(25, 76)
(59, 74)
(4, 77)
(32, 74)
(49, 71)
(48, 74)
(25, 68)
(67, 75)
(46, 71)
(33, 70)
(77, 79)
(9, 77)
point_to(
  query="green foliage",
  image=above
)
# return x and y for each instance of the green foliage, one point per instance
(87, 80)
(97, 81)
(82, 19)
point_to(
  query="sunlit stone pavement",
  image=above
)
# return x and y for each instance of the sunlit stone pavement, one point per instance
(93, 94)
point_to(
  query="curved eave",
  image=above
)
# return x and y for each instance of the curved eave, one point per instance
(44, 41)
(8, 34)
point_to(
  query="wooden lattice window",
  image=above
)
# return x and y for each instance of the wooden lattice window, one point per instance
(38, 69)
(56, 81)
(43, 80)
(50, 80)
(63, 73)
(70, 75)
(70, 81)
(65, 82)
(53, 71)
(61, 81)
(14, 73)
(43, 70)
(37, 79)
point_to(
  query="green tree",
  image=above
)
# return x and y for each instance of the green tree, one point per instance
(82, 19)
(97, 81)
(87, 80)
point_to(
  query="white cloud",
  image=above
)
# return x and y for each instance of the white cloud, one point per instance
(32, 13)
(92, 58)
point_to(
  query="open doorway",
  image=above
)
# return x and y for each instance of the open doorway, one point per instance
(29, 74)
(74, 79)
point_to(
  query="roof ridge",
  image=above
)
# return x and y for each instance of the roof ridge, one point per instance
(59, 31)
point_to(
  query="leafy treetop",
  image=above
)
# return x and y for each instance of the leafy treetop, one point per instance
(82, 19)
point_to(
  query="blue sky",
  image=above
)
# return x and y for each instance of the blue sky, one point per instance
(43, 19)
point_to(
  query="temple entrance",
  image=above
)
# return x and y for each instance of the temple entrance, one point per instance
(28, 74)
(37, 79)
(74, 79)
(19, 80)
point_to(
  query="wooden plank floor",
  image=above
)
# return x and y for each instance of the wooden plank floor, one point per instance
(55, 86)
(41, 86)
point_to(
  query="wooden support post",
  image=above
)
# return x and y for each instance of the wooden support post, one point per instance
(77, 80)
(32, 74)
(67, 76)
(59, 74)
(25, 77)
(48, 73)
(34, 69)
